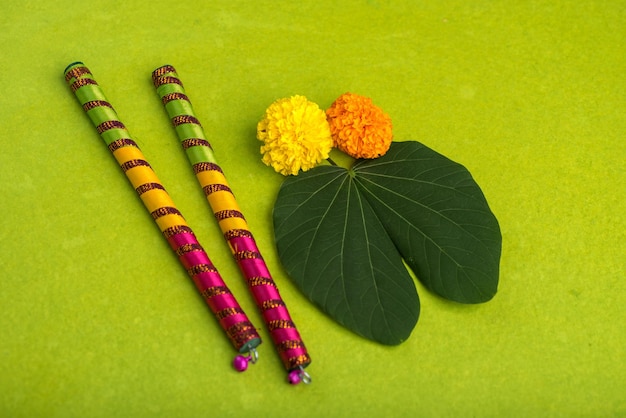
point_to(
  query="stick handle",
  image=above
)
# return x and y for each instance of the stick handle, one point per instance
(231, 221)
(159, 204)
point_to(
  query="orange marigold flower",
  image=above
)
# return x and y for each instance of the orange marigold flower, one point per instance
(358, 127)
(295, 135)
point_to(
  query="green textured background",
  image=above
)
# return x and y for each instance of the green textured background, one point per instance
(98, 319)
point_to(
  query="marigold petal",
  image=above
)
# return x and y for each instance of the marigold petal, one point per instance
(358, 127)
(295, 134)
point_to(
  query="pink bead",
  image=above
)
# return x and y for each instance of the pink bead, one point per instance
(240, 363)
(294, 377)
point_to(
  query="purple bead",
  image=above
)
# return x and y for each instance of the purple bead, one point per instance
(294, 377)
(240, 363)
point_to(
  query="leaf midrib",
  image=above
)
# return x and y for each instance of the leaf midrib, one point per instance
(460, 267)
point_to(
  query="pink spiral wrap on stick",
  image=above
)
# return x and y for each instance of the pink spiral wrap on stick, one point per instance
(159, 204)
(283, 331)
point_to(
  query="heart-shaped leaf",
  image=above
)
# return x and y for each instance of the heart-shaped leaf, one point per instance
(336, 250)
(341, 235)
(438, 218)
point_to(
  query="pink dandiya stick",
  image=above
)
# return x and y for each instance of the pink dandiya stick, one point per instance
(284, 333)
(182, 240)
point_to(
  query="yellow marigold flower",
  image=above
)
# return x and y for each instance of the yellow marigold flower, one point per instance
(295, 134)
(359, 128)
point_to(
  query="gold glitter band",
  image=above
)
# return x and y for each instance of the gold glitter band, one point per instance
(76, 72)
(188, 248)
(177, 229)
(301, 360)
(122, 142)
(201, 268)
(290, 345)
(182, 119)
(212, 188)
(146, 187)
(280, 324)
(96, 103)
(82, 82)
(237, 233)
(244, 336)
(228, 213)
(228, 312)
(195, 142)
(110, 124)
(156, 74)
(134, 163)
(174, 96)
(159, 81)
(247, 255)
(272, 304)
(261, 281)
(204, 166)
(165, 210)
(235, 330)
(214, 291)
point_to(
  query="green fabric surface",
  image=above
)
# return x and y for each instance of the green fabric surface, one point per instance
(99, 320)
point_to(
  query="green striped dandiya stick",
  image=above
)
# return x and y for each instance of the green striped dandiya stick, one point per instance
(169, 219)
(232, 223)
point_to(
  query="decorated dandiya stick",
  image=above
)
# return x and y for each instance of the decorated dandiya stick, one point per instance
(232, 223)
(169, 219)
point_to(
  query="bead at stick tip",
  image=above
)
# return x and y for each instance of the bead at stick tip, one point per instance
(294, 377)
(240, 363)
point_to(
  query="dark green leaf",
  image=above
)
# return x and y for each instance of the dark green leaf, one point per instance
(337, 251)
(342, 234)
(438, 218)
